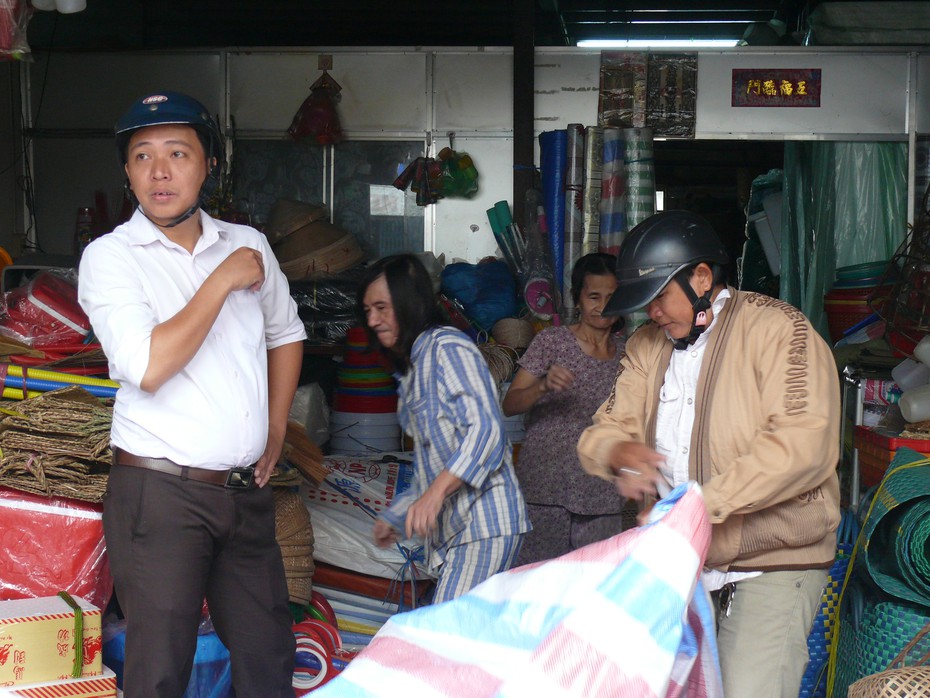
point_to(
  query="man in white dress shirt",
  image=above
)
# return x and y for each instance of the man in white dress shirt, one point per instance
(200, 330)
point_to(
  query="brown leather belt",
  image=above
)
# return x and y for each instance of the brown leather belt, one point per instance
(234, 478)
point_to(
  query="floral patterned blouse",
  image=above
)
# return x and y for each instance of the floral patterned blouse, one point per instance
(548, 467)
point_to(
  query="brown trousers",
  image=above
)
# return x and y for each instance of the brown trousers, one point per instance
(172, 543)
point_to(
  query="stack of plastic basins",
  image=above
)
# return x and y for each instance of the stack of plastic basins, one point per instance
(364, 410)
(847, 303)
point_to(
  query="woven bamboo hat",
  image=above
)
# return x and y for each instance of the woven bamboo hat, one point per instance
(290, 215)
(317, 248)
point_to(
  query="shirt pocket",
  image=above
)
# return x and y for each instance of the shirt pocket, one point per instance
(417, 412)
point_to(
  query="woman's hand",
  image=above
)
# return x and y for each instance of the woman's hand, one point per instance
(636, 469)
(557, 379)
(526, 389)
(384, 534)
(423, 514)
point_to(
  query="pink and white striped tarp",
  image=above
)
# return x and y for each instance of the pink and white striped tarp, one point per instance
(623, 617)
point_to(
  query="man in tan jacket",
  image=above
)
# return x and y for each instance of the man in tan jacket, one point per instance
(737, 392)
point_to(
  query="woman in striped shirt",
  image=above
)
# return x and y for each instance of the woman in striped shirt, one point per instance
(464, 501)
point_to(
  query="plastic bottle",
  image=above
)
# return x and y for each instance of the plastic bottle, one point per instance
(922, 350)
(83, 228)
(915, 404)
(911, 374)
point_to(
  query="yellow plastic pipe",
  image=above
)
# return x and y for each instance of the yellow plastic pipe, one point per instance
(59, 376)
(15, 394)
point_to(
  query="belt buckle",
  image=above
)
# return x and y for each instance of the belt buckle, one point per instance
(239, 478)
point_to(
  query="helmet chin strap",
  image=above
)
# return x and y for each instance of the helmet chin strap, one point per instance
(180, 219)
(700, 306)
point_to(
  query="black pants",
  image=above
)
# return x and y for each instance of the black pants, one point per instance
(172, 543)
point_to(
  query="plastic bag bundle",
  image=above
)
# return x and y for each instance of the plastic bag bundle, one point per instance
(327, 304)
(14, 20)
(45, 311)
(317, 115)
(449, 175)
(487, 291)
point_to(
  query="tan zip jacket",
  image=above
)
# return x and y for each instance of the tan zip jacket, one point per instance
(765, 442)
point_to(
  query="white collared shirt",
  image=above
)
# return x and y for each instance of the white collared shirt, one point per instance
(214, 412)
(675, 421)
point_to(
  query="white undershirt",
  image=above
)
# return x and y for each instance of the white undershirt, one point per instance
(675, 421)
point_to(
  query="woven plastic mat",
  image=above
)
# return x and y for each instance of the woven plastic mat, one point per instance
(814, 680)
(880, 612)
(886, 540)
(907, 675)
(912, 546)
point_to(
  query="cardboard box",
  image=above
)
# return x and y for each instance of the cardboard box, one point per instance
(37, 640)
(103, 686)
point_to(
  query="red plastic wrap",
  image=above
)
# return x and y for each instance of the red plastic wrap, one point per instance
(45, 312)
(317, 115)
(52, 544)
(14, 19)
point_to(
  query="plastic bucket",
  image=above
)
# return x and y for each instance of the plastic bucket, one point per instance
(363, 403)
(349, 444)
(374, 418)
(365, 431)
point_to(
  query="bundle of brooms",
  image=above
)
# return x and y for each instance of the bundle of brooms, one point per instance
(56, 444)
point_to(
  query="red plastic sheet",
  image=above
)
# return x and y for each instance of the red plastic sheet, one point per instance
(52, 544)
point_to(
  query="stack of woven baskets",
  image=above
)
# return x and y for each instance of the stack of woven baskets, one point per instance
(306, 244)
(295, 537)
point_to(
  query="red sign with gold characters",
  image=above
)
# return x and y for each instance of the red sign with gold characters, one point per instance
(776, 87)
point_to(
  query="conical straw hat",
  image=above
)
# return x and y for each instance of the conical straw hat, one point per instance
(290, 215)
(304, 262)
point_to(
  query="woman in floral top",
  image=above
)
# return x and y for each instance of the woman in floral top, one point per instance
(564, 376)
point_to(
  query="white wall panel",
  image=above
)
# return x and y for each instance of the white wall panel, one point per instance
(93, 90)
(566, 87)
(474, 92)
(863, 95)
(380, 92)
(453, 219)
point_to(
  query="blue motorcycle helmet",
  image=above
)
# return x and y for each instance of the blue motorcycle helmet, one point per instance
(162, 108)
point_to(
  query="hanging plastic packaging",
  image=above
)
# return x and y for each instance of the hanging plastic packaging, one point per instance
(317, 115)
(14, 18)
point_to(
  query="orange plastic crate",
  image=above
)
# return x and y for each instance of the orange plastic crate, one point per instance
(877, 449)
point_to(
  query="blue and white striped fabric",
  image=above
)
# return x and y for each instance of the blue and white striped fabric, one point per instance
(448, 404)
(622, 617)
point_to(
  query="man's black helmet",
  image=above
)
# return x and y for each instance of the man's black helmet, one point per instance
(657, 249)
